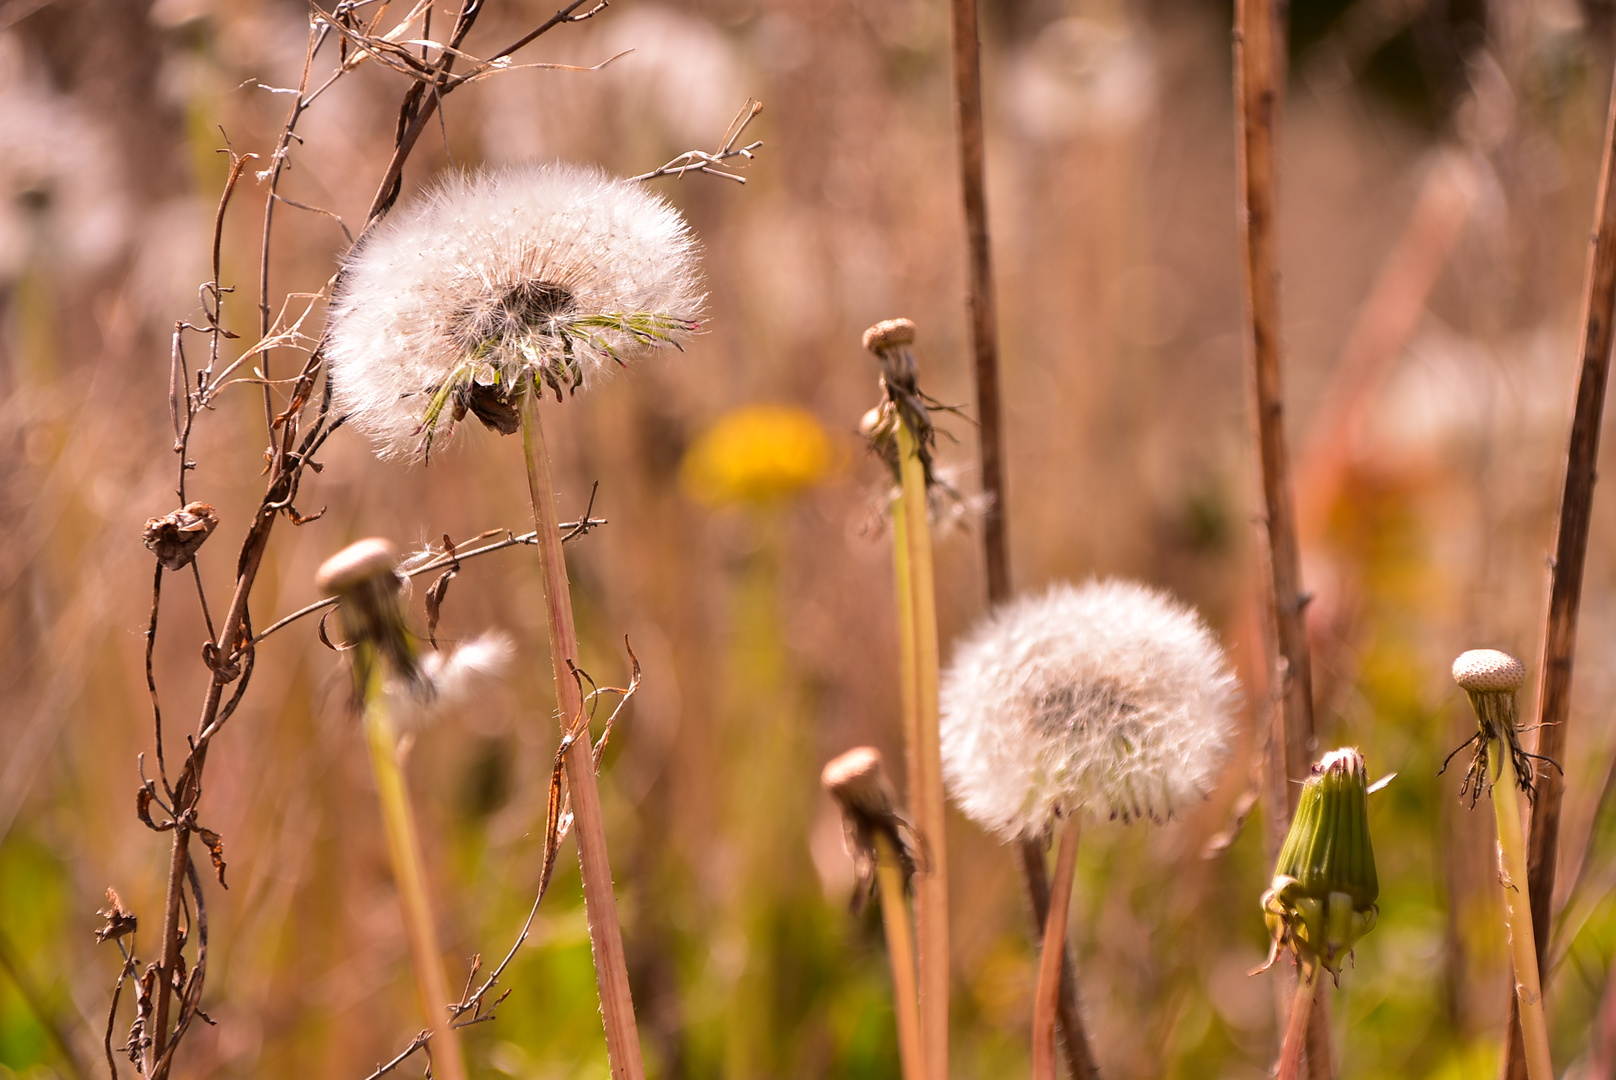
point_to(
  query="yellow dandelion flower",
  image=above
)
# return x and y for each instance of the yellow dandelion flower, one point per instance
(757, 454)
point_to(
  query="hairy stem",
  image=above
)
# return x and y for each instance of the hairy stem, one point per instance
(405, 848)
(917, 633)
(1518, 913)
(901, 953)
(600, 904)
(1047, 996)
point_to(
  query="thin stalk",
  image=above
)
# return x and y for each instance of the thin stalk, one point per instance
(1518, 914)
(901, 953)
(1571, 549)
(967, 63)
(1074, 1039)
(1290, 1054)
(917, 633)
(404, 846)
(600, 904)
(1259, 61)
(1047, 997)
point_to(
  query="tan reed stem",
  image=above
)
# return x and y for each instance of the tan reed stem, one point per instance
(600, 904)
(1517, 913)
(404, 846)
(1259, 82)
(917, 634)
(901, 954)
(1570, 555)
(1047, 996)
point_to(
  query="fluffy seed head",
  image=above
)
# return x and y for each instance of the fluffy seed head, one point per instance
(1488, 671)
(1111, 698)
(463, 300)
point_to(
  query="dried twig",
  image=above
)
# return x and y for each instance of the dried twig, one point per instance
(699, 161)
(571, 530)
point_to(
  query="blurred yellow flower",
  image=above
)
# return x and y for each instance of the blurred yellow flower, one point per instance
(757, 454)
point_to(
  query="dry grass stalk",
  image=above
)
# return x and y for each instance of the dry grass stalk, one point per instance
(1259, 44)
(1570, 556)
(983, 308)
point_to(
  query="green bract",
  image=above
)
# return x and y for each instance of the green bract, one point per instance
(1322, 899)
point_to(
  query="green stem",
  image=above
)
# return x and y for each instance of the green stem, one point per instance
(1518, 913)
(600, 904)
(917, 635)
(405, 848)
(901, 953)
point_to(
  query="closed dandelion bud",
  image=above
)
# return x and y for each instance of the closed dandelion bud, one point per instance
(1322, 899)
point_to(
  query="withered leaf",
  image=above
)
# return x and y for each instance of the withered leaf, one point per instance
(175, 536)
(119, 920)
(215, 852)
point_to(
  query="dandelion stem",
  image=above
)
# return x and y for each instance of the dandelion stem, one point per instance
(917, 634)
(901, 953)
(600, 905)
(1290, 1054)
(1046, 999)
(405, 848)
(1518, 913)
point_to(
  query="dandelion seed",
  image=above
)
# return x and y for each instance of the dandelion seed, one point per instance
(499, 281)
(1111, 699)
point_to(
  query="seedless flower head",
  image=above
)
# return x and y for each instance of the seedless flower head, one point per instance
(462, 301)
(859, 785)
(365, 579)
(1491, 678)
(1111, 698)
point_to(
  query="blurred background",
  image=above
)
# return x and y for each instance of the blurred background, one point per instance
(1439, 161)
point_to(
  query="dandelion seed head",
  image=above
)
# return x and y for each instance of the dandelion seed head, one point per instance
(458, 302)
(1110, 699)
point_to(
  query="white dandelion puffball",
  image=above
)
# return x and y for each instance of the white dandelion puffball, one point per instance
(449, 680)
(1111, 699)
(469, 297)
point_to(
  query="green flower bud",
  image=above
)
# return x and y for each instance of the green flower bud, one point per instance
(1322, 899)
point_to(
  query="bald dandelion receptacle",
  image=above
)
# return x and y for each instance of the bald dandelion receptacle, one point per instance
(498, 282)
(1110, 699)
